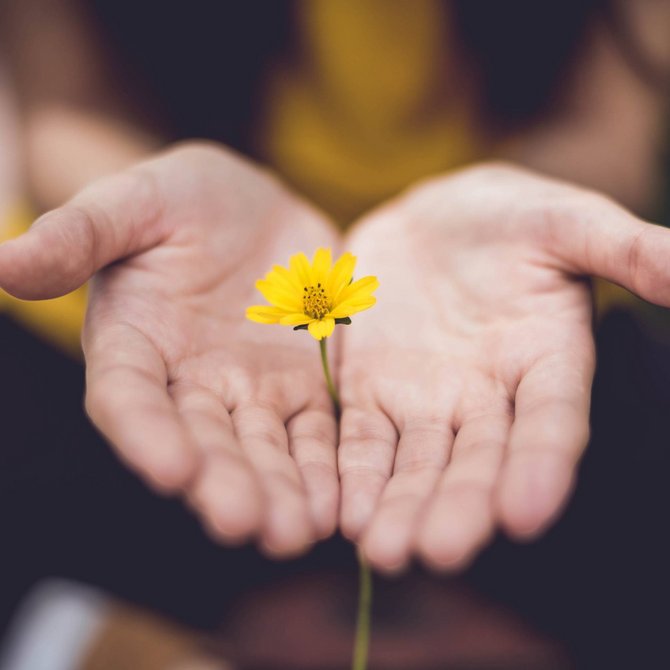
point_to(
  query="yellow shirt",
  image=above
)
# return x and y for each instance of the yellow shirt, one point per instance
(366, 107)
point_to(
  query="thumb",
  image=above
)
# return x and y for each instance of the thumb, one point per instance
(111, 219)
(602, 239)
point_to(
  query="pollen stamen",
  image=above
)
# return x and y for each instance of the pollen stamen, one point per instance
(316, 303)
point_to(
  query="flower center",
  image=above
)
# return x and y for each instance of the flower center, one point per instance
(315, 302)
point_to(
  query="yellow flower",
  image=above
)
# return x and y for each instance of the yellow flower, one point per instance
(314, 295)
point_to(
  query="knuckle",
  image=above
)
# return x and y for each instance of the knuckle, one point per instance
(317, 432)
(421, 464)
(636, 261)
(364, 471)
(313, 468)
(281, 479)
(269, 436)
(362, 427)
(73, 242)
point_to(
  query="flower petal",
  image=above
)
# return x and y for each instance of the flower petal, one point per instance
(297, 319)
(321, 265)
(265, 314)
(301, 267)
(351, 307)
(360, 289)
(341, 274)
(278, 296)
(321, 328)
(287, 278)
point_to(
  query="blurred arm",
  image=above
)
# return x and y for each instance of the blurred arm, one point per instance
(75, 126)
(610, 131)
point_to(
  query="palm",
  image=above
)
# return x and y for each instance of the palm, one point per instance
(192, 395)
(466, 394)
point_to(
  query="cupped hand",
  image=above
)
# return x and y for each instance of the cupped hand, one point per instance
(194, 397)
(466, 391)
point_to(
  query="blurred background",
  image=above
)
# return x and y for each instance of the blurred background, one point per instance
(350, 101)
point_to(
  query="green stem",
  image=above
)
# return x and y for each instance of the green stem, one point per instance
(329, 380)
(362, 640)
(364, 616)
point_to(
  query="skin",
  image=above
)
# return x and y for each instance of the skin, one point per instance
(465, 390)
(466, 394)
(232, 416)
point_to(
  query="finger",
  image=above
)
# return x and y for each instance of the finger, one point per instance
(312, 438)
(603, 239)
(423, 453)
(111, 219)
(459, 518)
(368, 441)
(127, 400)
(288, 528)
(225, 492)
(548, 437)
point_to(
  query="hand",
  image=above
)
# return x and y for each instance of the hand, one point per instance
(466, 392)
(194, 397)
